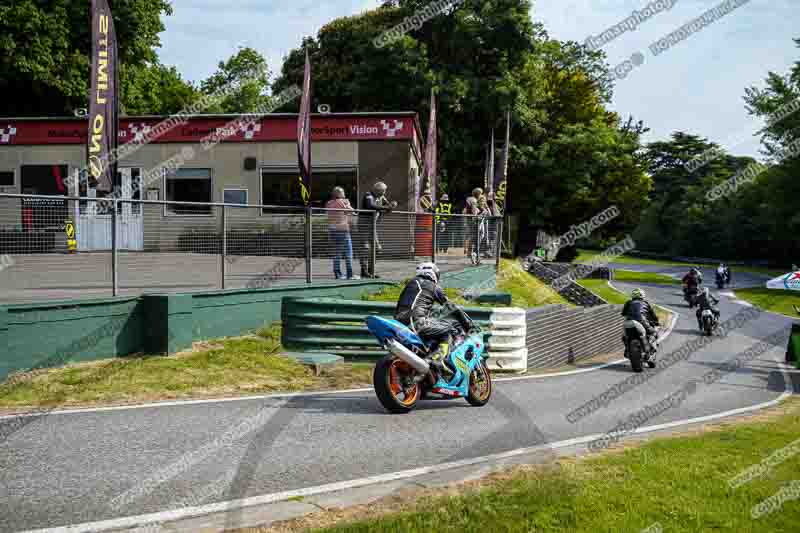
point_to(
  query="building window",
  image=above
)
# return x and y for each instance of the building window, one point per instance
(234, 196)
(188, 185)
(283, 187)
(6, 178)
(42, 213)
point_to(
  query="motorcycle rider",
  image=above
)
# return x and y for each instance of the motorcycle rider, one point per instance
(692, 280)
(639, 310)
(722, 274)
(415, 310)
(706, 300)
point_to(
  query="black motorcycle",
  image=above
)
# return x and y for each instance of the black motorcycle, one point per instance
(709, 321)
(638, 348)
(721, 280)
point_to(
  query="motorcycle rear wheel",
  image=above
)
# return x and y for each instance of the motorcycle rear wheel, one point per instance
(480, 386)
(393, 394)
(635, 351)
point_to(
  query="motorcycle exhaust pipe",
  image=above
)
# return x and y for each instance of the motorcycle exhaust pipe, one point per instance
(416, 362)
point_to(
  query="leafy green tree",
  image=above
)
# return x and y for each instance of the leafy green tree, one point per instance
(45, 46)
(775, 201)
(154, 89)
(681, 219)
(244, 77)
(483, 57)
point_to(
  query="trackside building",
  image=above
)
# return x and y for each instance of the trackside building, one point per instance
(253, 164)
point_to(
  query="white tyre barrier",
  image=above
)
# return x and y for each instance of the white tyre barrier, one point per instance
(507, 343)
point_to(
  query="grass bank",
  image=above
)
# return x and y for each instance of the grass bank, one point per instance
(777, 301)
(247, 365)
(586, 255)
(630, 276)
(526, 290)
(679, 484)
(601, 288)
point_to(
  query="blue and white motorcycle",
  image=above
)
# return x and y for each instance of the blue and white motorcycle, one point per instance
(404, 376)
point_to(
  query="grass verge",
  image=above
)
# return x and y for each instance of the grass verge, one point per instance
(685, 479)
(630, 276)
(526, 290)
(777, 301)
(246, 365)
(587, 255)
(601, 288)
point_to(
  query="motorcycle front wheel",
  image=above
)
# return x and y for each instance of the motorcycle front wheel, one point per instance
(394, 386)
(480, 385)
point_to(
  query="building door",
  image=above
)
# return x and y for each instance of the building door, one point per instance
(94, 221)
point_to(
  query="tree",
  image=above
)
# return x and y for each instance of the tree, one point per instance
(681, 218)
(247, 75)
(45, 46)
(154, 89)
(776, 198)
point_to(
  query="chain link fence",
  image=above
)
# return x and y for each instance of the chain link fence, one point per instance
(69, 247)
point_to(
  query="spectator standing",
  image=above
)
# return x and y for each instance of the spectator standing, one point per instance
(494, 226)
(443, 209)
(374, 204)
(339, 231)
(470, 211)
(483, 225)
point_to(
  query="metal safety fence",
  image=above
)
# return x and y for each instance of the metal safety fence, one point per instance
(59, 247)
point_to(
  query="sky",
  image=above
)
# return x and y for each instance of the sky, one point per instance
(696, 85)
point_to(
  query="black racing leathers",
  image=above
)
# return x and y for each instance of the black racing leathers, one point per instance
(641, 311)
(706, 303)
(415, 309)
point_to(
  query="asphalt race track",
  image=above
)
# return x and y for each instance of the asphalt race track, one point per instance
(79, 467)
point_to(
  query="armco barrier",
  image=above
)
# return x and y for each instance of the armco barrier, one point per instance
(559, 335)
(337, 326)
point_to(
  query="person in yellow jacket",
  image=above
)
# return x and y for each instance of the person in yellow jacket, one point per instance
(443, 208)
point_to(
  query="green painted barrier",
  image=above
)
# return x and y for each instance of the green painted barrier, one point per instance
(52, 334)
(793, 350)
(337, 326)
(492, 297)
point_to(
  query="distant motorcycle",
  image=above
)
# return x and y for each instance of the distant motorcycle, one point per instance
(404, 376)
(709, 321)
(721, 280)
(638, 348)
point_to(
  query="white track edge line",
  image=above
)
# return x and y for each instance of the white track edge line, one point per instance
(193, 512)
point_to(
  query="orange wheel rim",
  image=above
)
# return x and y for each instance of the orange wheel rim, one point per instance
(485, 384)
(406, 396)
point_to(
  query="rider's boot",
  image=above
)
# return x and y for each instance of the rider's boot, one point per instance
(439, 358)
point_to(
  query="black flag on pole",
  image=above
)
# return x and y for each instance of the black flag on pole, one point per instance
(103, 99)
(304, 135)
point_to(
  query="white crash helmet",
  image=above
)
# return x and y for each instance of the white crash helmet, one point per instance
(428, 270)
